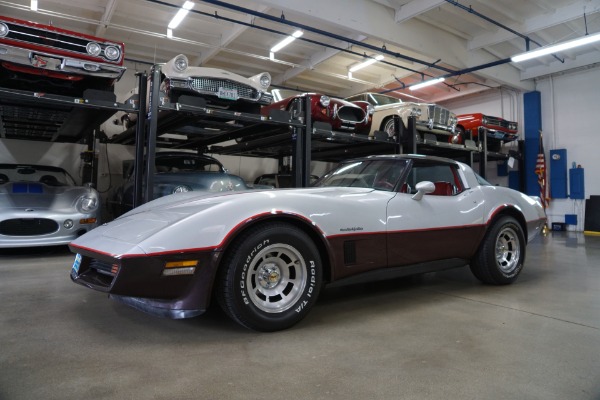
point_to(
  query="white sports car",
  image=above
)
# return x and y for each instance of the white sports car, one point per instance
(266, 254)
(218, 87)
(42, 206)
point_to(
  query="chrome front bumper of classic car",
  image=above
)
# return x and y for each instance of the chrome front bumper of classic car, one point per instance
(56, 63)
(220, 88)
(499, 135)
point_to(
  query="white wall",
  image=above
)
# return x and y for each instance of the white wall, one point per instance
(570, 114)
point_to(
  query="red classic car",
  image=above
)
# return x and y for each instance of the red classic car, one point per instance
(498, 129)
(49, 59)
(341, 114)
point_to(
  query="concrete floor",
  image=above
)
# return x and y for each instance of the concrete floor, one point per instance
(438, 336)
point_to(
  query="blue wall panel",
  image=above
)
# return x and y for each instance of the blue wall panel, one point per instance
(532, 105)
(558, 174)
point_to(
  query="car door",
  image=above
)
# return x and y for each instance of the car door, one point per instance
(442, 225)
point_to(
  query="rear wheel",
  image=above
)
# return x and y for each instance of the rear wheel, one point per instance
(499, 260)
(270, 278)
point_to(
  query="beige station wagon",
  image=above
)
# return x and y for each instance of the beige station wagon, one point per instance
(430, 118)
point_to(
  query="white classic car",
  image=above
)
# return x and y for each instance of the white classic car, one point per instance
(265, 255)
(430, 118)
(42, 206)
(218, 87)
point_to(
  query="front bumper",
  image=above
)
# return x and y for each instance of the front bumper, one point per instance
(140, 281)
(498, 134)
(213, 89)
(57, 63)
(61, 236)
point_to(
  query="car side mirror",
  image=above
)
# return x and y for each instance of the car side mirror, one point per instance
(424, 187)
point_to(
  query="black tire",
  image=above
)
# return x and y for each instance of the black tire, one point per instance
(270, 277)
(387, 126)
(500, 257)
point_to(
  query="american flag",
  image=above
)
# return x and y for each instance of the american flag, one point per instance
(540, 170)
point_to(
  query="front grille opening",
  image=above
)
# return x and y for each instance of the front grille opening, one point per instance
(210, 85)
(351, 114)
(28, 227)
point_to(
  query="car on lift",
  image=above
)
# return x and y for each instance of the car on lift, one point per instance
(342, 115)
(265, 255)
(429, 118)
(219, 88)
(45, 58)
(43, 206)
(177, 172)
(498, 130)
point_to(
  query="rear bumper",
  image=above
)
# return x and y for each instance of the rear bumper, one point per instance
(55, 63)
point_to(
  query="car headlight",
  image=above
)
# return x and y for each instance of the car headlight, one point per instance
(87, 203)
(325, 100)
(370, 109)
(3, 29)
(265, 80)
(112, 52)
(181, 63)
(93, 48)
(484, 121)
(181, 189)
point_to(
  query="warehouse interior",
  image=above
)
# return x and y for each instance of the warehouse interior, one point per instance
(441, 334)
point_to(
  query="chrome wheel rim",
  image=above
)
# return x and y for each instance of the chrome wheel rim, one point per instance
(389, 128)
(508, 250)
(276, 278)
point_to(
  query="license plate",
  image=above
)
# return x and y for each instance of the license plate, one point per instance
(76, 264)
(228, 94)
(45, 62)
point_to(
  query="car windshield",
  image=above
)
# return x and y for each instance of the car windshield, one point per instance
(53, 176)
(381, 99)
(375, 174)
(280, 94)
(187, 164)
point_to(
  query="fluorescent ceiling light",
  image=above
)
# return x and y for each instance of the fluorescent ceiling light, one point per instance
(556, 48)
(286, 41)
(426, 83)
(34, 4)
(366, 63)
(183, 11)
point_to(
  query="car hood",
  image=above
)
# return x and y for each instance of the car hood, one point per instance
(207, 216)
(21, 195)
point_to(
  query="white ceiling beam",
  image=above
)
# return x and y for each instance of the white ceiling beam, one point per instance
(413, 35)
(314, 60)
(537, 23)
(106, 17)
(228, 37)
(556, 66)
(416, 8)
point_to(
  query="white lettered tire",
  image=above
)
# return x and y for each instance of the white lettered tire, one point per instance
(270, 277)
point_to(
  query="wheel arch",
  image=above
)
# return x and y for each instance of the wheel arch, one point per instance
(511, 211)
(298, 221)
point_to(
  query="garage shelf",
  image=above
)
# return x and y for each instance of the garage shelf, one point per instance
(55, 118)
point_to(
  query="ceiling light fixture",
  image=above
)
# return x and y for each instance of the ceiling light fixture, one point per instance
(34, 5)
(288, 39)
(363, 64)
(183, 11)
(170, 33)
(587, 39)
(426, 83)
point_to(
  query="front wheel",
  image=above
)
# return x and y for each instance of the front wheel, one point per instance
(270, 277)
(388, 126)
(500, 257)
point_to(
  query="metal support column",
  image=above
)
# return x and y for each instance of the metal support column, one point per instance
(140, 138)
(151, 136)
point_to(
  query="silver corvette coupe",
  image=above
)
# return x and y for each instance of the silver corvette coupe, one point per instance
(42, 206)
(265, 255)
